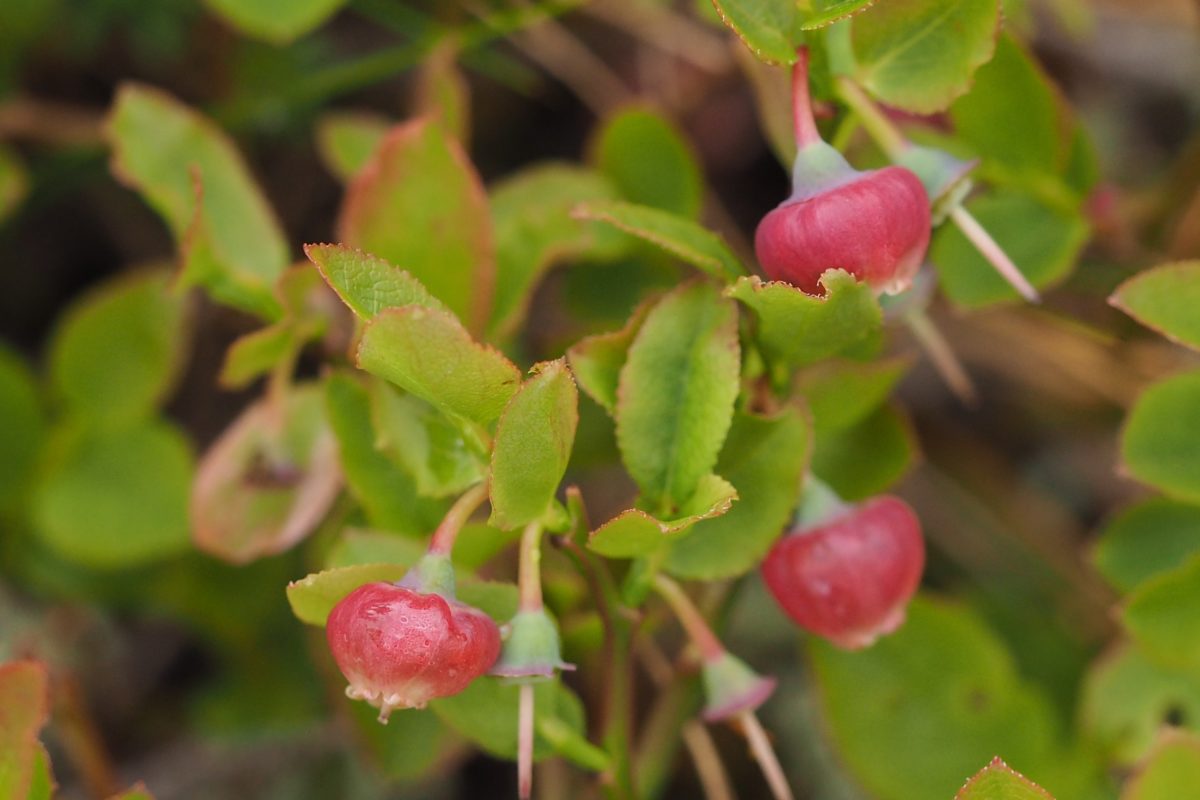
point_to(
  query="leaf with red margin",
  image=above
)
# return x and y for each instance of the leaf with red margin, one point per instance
(420, 204)
(268, 480)
(191, 173)
(635, 533)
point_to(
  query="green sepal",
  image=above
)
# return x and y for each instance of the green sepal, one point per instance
(819, 167)
(433, 574)
(819, 503)
(947, 179)
(531, 652)
(732, 688)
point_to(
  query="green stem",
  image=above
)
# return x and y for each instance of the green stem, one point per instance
(690, 618)
(616, 724)
(529, 579)
(447, 531)
(618, 714)
(882, 130)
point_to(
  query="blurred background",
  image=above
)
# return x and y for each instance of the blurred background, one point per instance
(194, 677)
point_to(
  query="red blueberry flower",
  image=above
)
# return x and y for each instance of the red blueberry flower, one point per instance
(875, 224)
(850, 576)
(400, 648)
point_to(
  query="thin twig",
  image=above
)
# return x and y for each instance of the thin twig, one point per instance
(942, 356)
(563, 55)
(993, 252)
(525, 743)
(764, 754)
(714, 781)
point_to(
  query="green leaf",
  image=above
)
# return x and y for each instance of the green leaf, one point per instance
(765, 26)
(678, 235)
(1042, 241)
(1163, 615)
(193, 176)
(921, 54)
(428, 353)
(764, 458)
(635, 533)
(14, 183)
(118, 351)
(268, 480)
(800, 328)
(867, 458)
(387, 492)
(368, 284)
(827, 12)
(841, 393)
(676, 392)
(998, 781)
(314, 596)
(256, 354)
(1160, 445)
(486, 713)
(1146, 540)
(307, 315)
(1165, 300)
(42, 785)
(347, 140)
(423, 441)
(420, 204)
(650, 162)
(24, 427)
(24, 709)
(943, 670)
(533, 445)
(356, 546)
(497, 599)
(1012, 86)
(277, 21)
(535, 230)
(1172, 771)
(1128, 698)
(116, 496)
(597, 360)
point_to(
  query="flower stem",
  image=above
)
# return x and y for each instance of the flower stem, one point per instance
(529, 580)
(992, 251)
(447, 531)
(690, 618)
(803, 124)
(893, 142)
(764, 754)
(882, 130)
(942, 356)
(525, 742)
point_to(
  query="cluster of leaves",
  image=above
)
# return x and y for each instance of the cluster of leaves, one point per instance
(707, 391)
